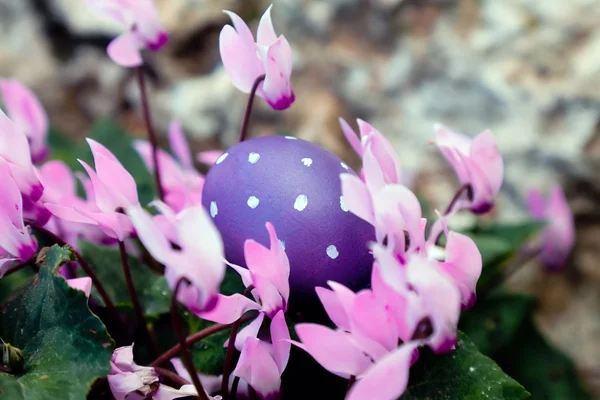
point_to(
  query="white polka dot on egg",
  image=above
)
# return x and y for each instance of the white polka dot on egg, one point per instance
(221, 158)
(307, 161)
(253, 158)
(343, 205)
(332, 252)
(344, 165)
(213, 209)
(301, 202)
(253, 202)
(291, 137)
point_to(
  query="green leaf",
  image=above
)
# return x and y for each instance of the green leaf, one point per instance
(209, 353)
(66, 347)
(463, 374)
(493, 322)
(546, 372)
(151, 287)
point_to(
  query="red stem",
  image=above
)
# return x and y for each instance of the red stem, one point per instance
(466, 187)
(137, 306)
(244, 128)
(151, 134)
(185, 354)
(171, 376)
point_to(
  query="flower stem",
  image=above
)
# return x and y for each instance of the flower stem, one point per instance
(185, 354)
(351, 381)
(244, 128)
(234, 387)
(150, 129)
(86, 268)
(196, 337)
(228, 367)
(137, 306)
(171, 376)
(464, 188)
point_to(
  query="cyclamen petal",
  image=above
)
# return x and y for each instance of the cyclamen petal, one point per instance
(26, 111)
(125, 50)
(559, 234)
(84, 284)
(245, 60)
(257, 367)
(126, 377)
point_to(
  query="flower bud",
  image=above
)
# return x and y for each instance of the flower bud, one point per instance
(12, 357)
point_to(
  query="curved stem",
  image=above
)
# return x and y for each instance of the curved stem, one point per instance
(228, 367)
(137, 306)
(196, 337)
(234, 387)
(171, 376)
(351, 381)
(466, 187)
(86, 268)
(185, 354)
(150, 129)
(244, 128)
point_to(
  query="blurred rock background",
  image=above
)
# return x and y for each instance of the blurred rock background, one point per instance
(527, 69)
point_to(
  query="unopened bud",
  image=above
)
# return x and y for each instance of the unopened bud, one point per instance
(12, 358)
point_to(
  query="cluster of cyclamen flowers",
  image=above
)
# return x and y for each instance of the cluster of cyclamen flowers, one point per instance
(417, 288)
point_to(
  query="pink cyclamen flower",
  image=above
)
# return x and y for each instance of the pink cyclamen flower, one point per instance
(24, 108)
(181, 183)
(127, 380)
(559, 233)
(114, 191)
(261, 363)
(60, 188)
(15, 152)
(383, 155)
(16, 241)
(476, 162)
(268, 271)
(246, 60)
(84, 284)
(144, 30)
(199, 258)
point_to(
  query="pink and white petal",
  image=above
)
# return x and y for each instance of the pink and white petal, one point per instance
(463, 263)
(336, 351)
(211, 383)
(114, 176)
(14, 146)
(57, 179)
(150, 234)
(250, 330)
(270, 298)
(536, 203)
(125, 50)
(11, 201)
(244, 273)
(351, 136)
(239, 59)
(122, 384)
(333, 307)
(280, 337)
(386, 156)
(396, 301)
(371, 320)
(257, 367)
(241, 28)
(105, 199)
(69, 213)
(209, 157)
(229, 308)
(84, 284)
(265, 35)
(179, 145)
(165, 392)
(276, 88)
(387, 379)
(114, 225)
(373, 174)
(485, 153)
(357, 197)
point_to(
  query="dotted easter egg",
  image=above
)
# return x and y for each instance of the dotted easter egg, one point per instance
(295, 185)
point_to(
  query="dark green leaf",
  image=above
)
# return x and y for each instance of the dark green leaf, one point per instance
(209, 353)
(150, 286)
(9, 284)
(546, 372)
(66, 347)
(493, 322)
(463, 374)
(232, 283)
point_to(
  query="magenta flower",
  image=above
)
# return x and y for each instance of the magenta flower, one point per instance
(141, 20)
(15, 152)
(114, 191)
(84, 284)
(269, 271)
(60, 188)
(25, 110)
(246, 60)
(199, 256)
(383, 156)
(127, 380)
(261, 363)
(559, 233)
(476, 162)
(181, 183)
(16, 241)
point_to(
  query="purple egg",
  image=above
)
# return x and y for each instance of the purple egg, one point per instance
(295, 185)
